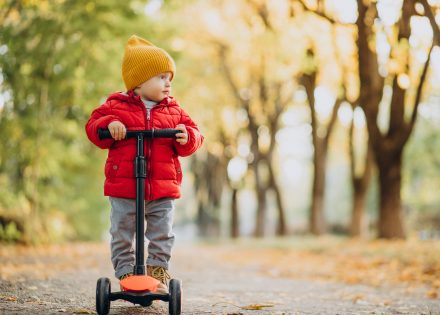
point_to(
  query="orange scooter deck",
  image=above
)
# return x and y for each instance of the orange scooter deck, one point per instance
(139, 283)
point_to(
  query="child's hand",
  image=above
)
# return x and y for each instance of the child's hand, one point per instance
(117, 130)
(182, 137)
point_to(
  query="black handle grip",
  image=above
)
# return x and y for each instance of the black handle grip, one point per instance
(104, 134)
(154, 133)
(165, 133)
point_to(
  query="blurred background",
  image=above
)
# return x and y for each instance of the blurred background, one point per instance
(319, 117)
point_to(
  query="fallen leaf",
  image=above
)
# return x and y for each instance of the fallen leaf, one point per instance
(432, 294)
(8, 298)
(83, 311)
(252, 307)
(256, 306)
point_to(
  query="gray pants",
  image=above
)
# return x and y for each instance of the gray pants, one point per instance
(159, 215)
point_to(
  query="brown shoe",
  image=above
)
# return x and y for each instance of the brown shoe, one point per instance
(161, 274)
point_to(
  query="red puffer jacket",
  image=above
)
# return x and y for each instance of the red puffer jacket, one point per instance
(164, 174)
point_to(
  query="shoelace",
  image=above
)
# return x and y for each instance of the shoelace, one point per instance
(125, 276)
(160, 274)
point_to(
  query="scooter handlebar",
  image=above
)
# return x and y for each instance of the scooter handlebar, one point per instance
(153, 133)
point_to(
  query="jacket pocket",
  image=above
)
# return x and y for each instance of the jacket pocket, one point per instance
(178, 170)
(111, 168)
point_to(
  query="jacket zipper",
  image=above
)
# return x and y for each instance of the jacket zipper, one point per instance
(148, 114)
(148, 184)
(149, 154)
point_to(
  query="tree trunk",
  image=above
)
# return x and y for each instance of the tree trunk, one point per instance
(317, 218)
(281, 226)
(235, 225)
(358, 221)
(208, 226)
(209, 180)
(261, 204)
(317, 224)
(390, 216)
(360, 187)
(260, 187)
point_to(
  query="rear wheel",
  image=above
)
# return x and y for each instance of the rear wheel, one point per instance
(175, 297)
(103, 296)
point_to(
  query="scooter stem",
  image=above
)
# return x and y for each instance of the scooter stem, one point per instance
(140, 174)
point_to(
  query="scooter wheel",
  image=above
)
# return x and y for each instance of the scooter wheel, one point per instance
(103, 296)
(175, 297)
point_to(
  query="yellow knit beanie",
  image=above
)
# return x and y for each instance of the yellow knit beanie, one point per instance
(142, 61)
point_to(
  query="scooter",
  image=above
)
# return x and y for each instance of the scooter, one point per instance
(139, 288)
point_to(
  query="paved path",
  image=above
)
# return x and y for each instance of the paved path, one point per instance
(63, 282)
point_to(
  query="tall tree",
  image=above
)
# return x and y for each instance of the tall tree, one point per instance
(57, 63)
(257, 92)
(261, 158)
(317, 224)
(387, 147)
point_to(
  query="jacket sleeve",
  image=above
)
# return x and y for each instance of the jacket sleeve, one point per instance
(101, 117)
(195, 138)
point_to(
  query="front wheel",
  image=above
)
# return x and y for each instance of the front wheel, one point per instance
(175, 297)
(103, 296)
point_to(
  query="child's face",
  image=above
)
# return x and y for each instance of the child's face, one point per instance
(156, 88)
